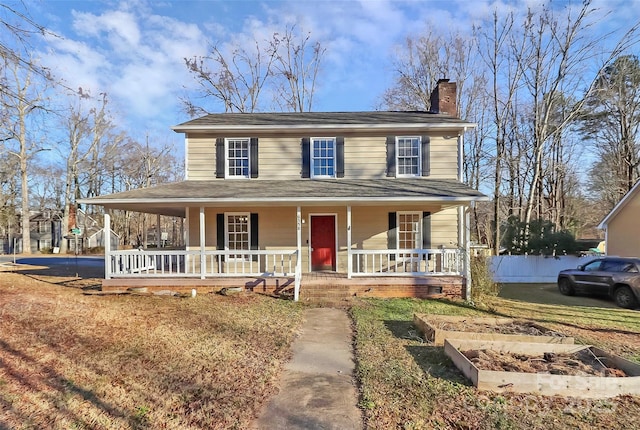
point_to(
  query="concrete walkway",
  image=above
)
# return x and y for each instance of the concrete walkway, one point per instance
(317, 388)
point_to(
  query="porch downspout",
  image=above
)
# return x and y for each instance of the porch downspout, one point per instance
(296, 288)
(467, 252)
(461, 209)
(107, 245)
(202, 256)
(349, 258)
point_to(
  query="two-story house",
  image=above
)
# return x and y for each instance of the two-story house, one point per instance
(371, 202)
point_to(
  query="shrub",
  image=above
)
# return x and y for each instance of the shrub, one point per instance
(482, 283)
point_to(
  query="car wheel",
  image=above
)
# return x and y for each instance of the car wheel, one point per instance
(623, 296)
(565, 287)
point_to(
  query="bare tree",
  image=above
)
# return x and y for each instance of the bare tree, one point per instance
(240, 73)
(235, 78)
(295, 69)
(552, 53)
(21, 104)
(612, 123)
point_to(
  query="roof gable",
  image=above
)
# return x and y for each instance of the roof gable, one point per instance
(620, 206)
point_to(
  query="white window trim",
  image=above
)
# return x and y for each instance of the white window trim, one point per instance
(311, 158)
(226, 158)
(420, 232)
(226, 232)
(419, 173)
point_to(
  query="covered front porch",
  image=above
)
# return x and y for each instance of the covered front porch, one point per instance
(405, 233)
(420, 271)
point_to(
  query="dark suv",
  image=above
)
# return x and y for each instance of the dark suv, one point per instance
(617, 277)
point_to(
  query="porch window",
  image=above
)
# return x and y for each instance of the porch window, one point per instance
(237, 161)
(323, 157)
(409, 230)
(238, 235)
(408, 150)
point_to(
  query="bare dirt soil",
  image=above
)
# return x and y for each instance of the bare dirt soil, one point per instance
(515, 327)
(581, 363)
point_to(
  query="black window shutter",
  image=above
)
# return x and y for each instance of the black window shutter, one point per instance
(220, 157)
(220, 232)
(339, 157)
(426, 156)
(392, 233)
(426, 230)
(306, 157)
(391, 156)
(253, 225)
(253, 156)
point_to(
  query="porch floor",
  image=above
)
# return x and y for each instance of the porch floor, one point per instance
(313, 286)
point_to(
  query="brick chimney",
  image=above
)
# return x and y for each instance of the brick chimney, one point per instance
(443, 98)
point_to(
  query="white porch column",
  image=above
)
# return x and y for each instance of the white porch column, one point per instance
(467, 251)
(203, 260)
(349, 258)
(158, 232)
(107, 245)
(298, 278)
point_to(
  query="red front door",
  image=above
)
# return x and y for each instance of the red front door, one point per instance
(323, 242)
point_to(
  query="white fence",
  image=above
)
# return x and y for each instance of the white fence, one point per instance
(532, 268)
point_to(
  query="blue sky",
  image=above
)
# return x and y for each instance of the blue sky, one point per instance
(133, 50)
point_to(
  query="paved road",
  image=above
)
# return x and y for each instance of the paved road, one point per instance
(86, 261)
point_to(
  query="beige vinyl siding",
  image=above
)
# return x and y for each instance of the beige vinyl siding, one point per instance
(444, 228)
(279, 157)
(622, 239)
(443, 157)
(201, 158)
(365, 157)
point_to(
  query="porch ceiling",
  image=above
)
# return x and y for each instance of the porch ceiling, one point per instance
(171, 199)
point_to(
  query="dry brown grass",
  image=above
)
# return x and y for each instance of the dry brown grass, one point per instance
(128, 362)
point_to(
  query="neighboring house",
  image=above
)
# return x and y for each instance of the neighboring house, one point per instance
(621, 226)
(45, 230)
(371, 202)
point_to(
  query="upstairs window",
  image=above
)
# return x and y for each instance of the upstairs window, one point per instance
(237, 157)
(323, 157)
(408, 152)
(408, 156)
(237, 162)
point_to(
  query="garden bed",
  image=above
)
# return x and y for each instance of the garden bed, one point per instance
(437, 328)
(548, 369)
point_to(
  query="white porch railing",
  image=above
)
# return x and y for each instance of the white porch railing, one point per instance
(217, 263)
(395, 262)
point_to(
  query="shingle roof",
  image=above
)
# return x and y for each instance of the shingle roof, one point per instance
(291, 192)
(320, 119)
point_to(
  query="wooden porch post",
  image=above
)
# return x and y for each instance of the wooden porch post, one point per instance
(158, 230)
(107, 245)
(296, 288)
(202, 256)
(349, 259)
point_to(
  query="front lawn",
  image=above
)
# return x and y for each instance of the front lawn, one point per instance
(408, 384)
(70, 361)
